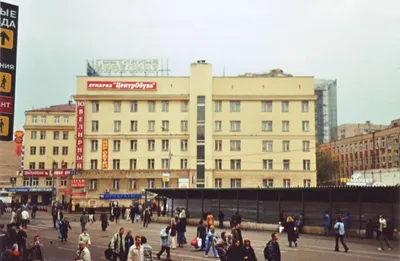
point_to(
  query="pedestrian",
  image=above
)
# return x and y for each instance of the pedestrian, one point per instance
(25, 218)
(85, 237)
(59, 217)
(291, 231)
(180, 230)
(128, 213)
(211, 240)
(21, 240)
(248, 251)
(210, 221)
(35, 250)
(237, 234)
(117, 245)
(300, 223)
(165, 243)
(235, 252)
(173, 233)
(84, 220)
(202, 233)
(54, 216)
(34, 210)
(146, 217)
(129, 241)
(83, 253)
(327, 223)
(136, 252)
(383, 228)
(221, 218)
(103, 220)
(347, 224)
(123, 211)
(222, 246)
(147, 250)
(91, 215)
(64, 226)
(272, 252)
(117, 214)
(339, 234)
(11, 236)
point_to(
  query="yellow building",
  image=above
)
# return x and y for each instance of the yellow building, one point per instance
(220, 131)
(49, 139)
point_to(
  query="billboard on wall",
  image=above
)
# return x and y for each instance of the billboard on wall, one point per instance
(9, 15)
(104, 154)
(120, 85)
(80, 132)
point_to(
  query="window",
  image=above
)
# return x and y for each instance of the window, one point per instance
(95, 106)
(133, 145)
(306, 165)
(64, 150)
(285, 106)
(94, 145)
(117, 106)
(164, 106)
(306, 126)
(236, 164)
(56, 119)
(32, 165)
(151, 126)
(65, 135)
(33, 150)
(66, 119)
(150, 163)
(132, 164)
(285, 145)
(115, 184)
(184, 126)
(306, 146)
(235, 145)
(184, 106)
(286, 164)
(307, 183)
(266, 106)
(49, 182)
(63, 183)
(134, 106)
(218, 126)
(65, 165)
(235, 106)
(266, 125)
(43, 119)
(184, 145)
(218, 106)
(151, 145)
(267, 145)
(184, 164)
(116, 164)
(132, 184)
(31, 182)
(150, 183)
(34, 119)
(285, 126)
(117, 126)
(304, 106)
(41, 165)
(116, 145)
(152, 106)
(235, 126)
(56, 135)
(42, 150)
(218, 183)
(164, 163)
(95, 126)
(134, 126)
(236, 183)
(218, 145)
(93, 164)
(93, 184)
(286, 183)
(268, 164)
(218, 164)
(55, 164)
(42, 135)
(165, 125)
(268, 183)
(164, 145)
(55, 150)
(33, 135)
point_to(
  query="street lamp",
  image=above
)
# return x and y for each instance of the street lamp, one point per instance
(169, 153)
(53, 194)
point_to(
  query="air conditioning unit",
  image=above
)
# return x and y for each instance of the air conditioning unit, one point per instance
(83, 190)
(107, 190)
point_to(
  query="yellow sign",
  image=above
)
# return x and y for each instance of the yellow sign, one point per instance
(4, 122)
(104, 155)
(6, 38)
(5, 82)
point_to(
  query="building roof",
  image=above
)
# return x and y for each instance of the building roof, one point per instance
(69, 107)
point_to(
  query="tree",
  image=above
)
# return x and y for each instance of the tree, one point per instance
(327, 167)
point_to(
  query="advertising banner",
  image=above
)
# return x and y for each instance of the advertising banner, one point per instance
(120, 196)
(123, 86)
(38, 172)
(104, 154)
(8, 66)
(78, 183)
(80, 132)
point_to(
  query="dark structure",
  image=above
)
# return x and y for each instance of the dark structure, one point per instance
(264, 205)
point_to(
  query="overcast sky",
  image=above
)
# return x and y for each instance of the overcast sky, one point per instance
(356, 42)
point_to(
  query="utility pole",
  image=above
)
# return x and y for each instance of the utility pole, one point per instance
(53, 194)
(169, 154)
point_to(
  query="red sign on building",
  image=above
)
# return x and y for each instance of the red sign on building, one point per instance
(78, 183)
(80, 131)
(62, 172)
(124, 86)
(39, 172)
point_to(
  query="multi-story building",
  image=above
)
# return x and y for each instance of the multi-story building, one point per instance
(49, 148)
(10, 163)
(351, 130)
(372, 150)
(196, 131)
(326, 110)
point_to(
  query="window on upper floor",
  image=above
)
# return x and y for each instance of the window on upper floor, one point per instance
(236, 164)
(268, 183)
(56, 119)
(117, 106)
(268, 164)
(95, 106)
(152, 106)
(285, 106)
(235, 106)
(218, 145)
(235, 126)
(134, 106)
(285, 126)
(151, 126)
(43, 119)
(285, 145)
(304, 106)
(218, 126)
(235, 145)
(184, 145)
(34, 119)
(184, 106)
(33, 135)
(306, 126)
(165, 106)
(66, 119)
(218, 106)
(266, 126)
(117, 126)
(56, 135)
(65, 135)
(134, 126)
(133, 145)
(267, 145)
(266, 106)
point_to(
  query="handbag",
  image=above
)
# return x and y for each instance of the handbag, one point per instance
(199, 242)
(194, 242)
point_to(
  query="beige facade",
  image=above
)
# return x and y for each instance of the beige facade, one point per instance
(49, 137)
(221, 131)
(351, 130)
(9, 165)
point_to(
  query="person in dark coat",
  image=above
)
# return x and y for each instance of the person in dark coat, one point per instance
(181, 230)
(104, 220)
(128, 243)
(235, 252)
(146, 217)
(36, 250)
(272, 251)
(221, 218)
(248, 251)
(291, 232)
(201, 233)
(21, 240)
(64, 226)
(117, 214)
(238, 218)
(237, 234)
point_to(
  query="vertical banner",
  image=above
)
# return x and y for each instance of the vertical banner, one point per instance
(80, 132)
(104, 154)
(8, 66)
(19, 139)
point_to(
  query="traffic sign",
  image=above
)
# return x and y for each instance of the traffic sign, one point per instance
(6, 38)
(4, 126)
(5, 82)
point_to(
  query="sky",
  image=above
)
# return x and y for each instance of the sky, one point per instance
(356, 42)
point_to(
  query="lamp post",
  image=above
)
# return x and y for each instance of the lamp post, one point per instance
(169, 153)
(53, 194)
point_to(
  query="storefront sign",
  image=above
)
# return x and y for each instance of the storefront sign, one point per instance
(62, 172)
(358, 180)
(80, 130)
(78, 183)
(38, 172)
(15, 190)
(9, 15)
(124, 66)
(78, 194)
(120, 196)
(124, 86)
(104, 154)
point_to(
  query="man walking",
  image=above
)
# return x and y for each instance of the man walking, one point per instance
(165, 243)
(117, 245)
(83, 253)
(339, 234)
(136, 252)
(272, 251)
(384, 233)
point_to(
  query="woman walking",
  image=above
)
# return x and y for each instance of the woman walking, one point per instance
(202, 233)
(181, 229)
(173, 233)
(64, 226)
(291, 231)
(339, 234)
